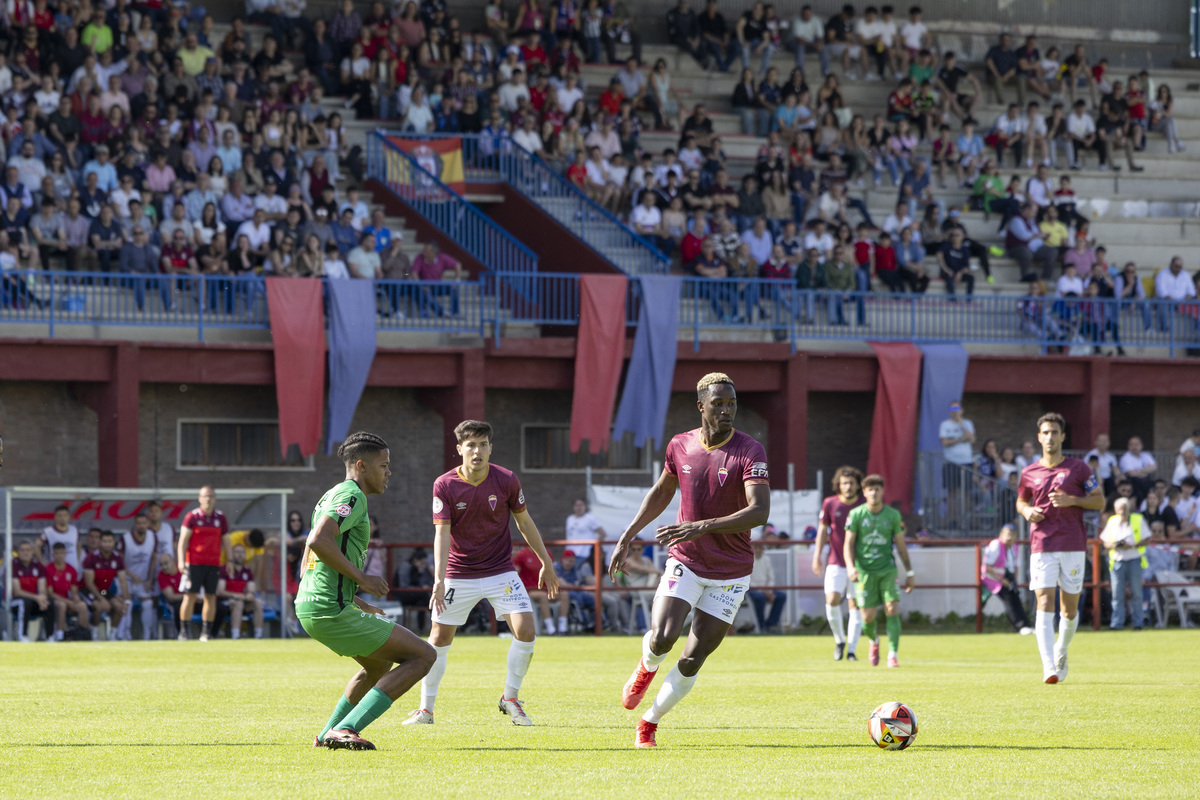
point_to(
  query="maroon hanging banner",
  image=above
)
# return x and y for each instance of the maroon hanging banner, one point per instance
(893, 450)
(298, 331)
(599, 354)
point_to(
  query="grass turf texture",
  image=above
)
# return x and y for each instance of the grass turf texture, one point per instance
(769, 717)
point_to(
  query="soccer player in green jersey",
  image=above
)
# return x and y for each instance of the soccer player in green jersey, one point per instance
(392, 658)
(871, 530)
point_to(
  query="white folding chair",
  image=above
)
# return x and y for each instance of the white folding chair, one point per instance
(1184, 598)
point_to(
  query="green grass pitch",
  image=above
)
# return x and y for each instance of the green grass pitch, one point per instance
(769, 717)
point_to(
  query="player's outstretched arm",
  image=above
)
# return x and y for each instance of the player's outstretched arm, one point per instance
(323, 542)
(653, 505)
(757, 512)
(902, 551)
(547, 579)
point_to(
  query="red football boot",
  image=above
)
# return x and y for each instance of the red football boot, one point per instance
(636, 686)
(645, 733)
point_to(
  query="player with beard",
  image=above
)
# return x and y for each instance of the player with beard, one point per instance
(1053, 494)
(831, 530)
(721, 474)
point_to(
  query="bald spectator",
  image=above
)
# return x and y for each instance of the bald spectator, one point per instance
(1172, 283)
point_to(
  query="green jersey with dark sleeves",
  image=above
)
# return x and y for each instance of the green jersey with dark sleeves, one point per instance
(324, 591)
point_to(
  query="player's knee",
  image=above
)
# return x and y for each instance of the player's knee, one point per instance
(425, 658)
(661, 641)
(689, 665)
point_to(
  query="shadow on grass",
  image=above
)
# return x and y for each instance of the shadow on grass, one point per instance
(156, 744)
(846, 746)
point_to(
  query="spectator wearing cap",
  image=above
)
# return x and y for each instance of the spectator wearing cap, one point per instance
(998, 577)
(319, 226)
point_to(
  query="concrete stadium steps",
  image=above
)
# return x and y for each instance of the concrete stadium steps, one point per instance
(564, 210)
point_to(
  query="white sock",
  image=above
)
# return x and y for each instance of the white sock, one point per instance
(519, 655)
(675, 687)
(549, 626)
(1043, 628)
(834, 615)
(855, 630)
(236, 633)
(649, 660)
(1066, 632)
(562, 624)
(429, 684)
(258, 633)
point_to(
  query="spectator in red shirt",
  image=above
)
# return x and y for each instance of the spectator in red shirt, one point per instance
(106, 583)
(236, 588)
(169, 590)
(431, 265)
(28, 590)
(62, 585)
(199, 559)
(577, 172)
(610, 99)
(532, 52)
(528, 568)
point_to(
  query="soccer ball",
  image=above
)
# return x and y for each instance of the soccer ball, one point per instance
(892, 726)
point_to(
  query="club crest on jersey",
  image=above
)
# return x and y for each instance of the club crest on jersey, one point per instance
(343, 510)
(671, 583)
(438, 505)
(492, 501)
(722, 474)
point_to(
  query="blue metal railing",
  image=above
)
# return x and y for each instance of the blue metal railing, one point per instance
(446, 209)
(500, 158)
(776, 309)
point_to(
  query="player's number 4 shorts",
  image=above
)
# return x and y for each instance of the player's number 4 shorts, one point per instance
(505, 592)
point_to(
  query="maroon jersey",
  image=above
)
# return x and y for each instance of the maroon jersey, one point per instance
(62, 580)
(169, 581)
(207, 529)
(712, 483)
(106, 569)
(237, 578)
(1062, 529)
(833, 514)
(28, 575)
(529, 567)
(480, 544)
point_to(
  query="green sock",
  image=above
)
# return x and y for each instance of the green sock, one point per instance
(369, 709)
(869, 630)
(343, 707)
(893, 629)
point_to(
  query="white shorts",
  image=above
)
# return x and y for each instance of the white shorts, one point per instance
(1065, 569)
(836, 579)
(853, 50)
(719, 598)
(505, 592)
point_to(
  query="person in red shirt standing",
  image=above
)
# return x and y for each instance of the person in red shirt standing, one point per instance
(528, 569)
(106, 583)
(199, 559)
(29, 589)
(1053, 494)
(62, 584)
(472, 561)
(722, 477)
(831, 530)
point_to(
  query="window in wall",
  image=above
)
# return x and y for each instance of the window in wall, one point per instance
(547, 448)
(234, 445)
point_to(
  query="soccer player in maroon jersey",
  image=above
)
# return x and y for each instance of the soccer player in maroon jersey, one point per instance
(1053, 494)
(199, 559)
(722, 477)
(472, 561)
(106, 583)
(831, 530)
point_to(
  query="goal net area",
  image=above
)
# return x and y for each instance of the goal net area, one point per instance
(26, 511)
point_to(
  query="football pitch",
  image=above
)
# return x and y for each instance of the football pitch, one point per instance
(769, 717)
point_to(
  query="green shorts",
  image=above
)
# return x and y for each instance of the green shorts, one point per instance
(351, 633)
(872, 590)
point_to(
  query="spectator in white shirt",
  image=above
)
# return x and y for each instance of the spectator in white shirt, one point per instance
(759, 240)
(569, 93)
(1188, 466)
(599, 188)
(647, 223)
(898, 220)
(512, 91)
(819, 239)
(1035, 140)
(528, 137)
(1172, 283)
(1081, 135)
(419, 118)
(257, 231)
(808, 33)
(1139, 467)
(1108, 470)
(1069, 283)
(1039, 191)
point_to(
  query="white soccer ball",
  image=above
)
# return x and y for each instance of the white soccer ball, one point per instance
(892, 726)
